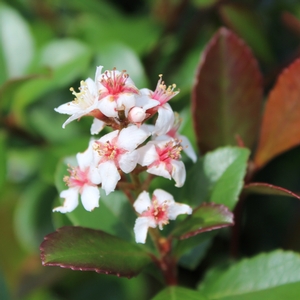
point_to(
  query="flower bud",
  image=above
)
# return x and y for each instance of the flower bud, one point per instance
(136, 115)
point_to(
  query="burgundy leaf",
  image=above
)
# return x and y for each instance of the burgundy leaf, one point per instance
(207, 217)
(227, 95)
(269, 189)
(86, 249)
(281, 121)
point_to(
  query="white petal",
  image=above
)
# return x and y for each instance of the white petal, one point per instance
(128, 161)
(131, 137)
(125, 102)
(178, 172)
(110, 176)
(141, 228)
(147, 154)
(97, 126)
(85, 158)
(159, 170)
(145, 101)
(178, 209)
(107, 106)
(187, 147)
(69, 108)
(98, 76)
(165, 119)
(71, 200)
(163, 196)
(142, 203)
(91, 87)
(94, 175)
(109, 136)
(90, 197)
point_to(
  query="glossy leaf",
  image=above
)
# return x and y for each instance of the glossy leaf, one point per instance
(227, 95)
(16, 43)
(206, 217)
(267, 276)
(3, 158)
(269, 189)
(217, 177)
(179, 293)
(250, 27)
(281, 121)
(32, 219)
(87, 249)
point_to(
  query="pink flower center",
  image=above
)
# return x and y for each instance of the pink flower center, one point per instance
(163, 93)
(108, 151)
(78, 178)
(115, 84)
(170, 151)
(158, 212)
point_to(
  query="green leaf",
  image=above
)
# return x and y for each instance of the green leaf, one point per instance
(207, 217)
(179, 293)
(217, 177)
(227, 95)
(267, 276)
(16, 43)
(86, 249)
(281, 121)
(4, 294)
(268, 189)
(32, 219)
(3, 158)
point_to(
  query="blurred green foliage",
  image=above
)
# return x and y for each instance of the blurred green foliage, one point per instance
(47, 47)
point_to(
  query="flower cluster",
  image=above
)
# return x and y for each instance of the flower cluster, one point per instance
(114, 101)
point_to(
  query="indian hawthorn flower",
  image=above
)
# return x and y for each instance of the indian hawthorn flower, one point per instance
(156, 212)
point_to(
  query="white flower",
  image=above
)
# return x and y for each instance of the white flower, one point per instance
(184, 141)
(162, 159)
(117, 92)
(117, 151)
(85, 102)
(156, 212)
(161, 95)
(83, 180)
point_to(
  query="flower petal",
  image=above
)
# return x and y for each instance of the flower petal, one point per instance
(90, 197)
(178, 209)
(71, 200)
(178, 172)
(162, 196)
(187, 147)
(110, 176)
(131, 137)
(84, 159)
(128, 161)
(159, 170)
(147, 154)
(107, 106)
(142, 203)
(97, 126)
(141, 228)
(165, 119)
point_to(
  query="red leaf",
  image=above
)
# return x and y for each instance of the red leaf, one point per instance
(281, 121)
(227, 95)
(269, 189)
